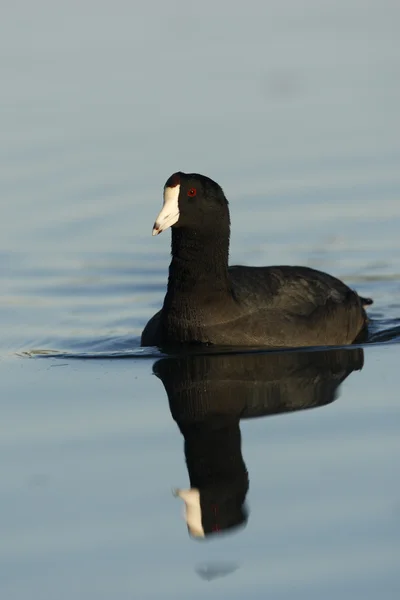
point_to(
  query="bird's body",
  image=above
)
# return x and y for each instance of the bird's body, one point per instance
(208, 302)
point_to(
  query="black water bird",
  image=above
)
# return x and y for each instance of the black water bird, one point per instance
(209, 302)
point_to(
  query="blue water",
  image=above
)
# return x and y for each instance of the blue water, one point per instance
(293, 108)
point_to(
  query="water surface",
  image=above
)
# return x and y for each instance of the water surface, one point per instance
(293, 109)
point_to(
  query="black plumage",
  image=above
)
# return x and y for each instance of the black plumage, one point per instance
(211, 303)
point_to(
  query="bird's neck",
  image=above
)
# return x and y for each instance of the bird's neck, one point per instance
(199, 263)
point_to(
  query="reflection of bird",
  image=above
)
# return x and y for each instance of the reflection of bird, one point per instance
(209, 394)
(211, 303)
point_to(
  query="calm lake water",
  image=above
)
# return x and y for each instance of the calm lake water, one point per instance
(294, 109)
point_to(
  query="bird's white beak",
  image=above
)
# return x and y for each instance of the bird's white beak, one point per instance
(169, 214)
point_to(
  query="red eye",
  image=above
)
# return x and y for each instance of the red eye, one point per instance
(192, 192)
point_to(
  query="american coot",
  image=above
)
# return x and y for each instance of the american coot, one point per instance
(208, 302)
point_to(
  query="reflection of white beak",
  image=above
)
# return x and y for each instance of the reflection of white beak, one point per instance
(192, 510)
(170, 211)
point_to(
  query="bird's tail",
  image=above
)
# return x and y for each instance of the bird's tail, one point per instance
(366, 301)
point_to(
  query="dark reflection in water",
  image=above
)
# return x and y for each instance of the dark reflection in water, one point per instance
(215, 571)
(209, 395)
